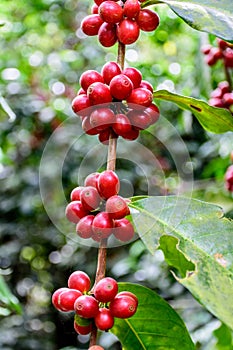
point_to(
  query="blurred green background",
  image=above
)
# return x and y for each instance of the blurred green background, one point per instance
(43, 53)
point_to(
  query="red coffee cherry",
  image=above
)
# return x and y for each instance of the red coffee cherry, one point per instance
(98, 2)
(75, 211)
(228, 58)
(90, 24)
(82, 330)
(87, 128)
(123, 306)
(131, 135)
(84, 227)
(139, 120)
(79, 280)
(94, 9)
(102, 118)
(99, 93)
(224, 87)
(125, 292)
(146, 85)
(228, 98)
(92, 180)
(121, 87)
(108, 184)
(67, 299)
(106, 290)
(86, 306)
(131, 8)
(134, 75)
(79, 103)
(205, 49)
(122, 125)
(96, 347)
(210, 59)
(55, 297)
(109, 71)
(117, 207)
(104, 319)
(102, 226)
(111, 12)
(147, 20)
(153, 112)
(140, 96)
(229, 178)
(89, 77)
(105, 134)
(107, 34)
(90, 198)
(124, 230)
(75, 194)
(127, 31)
(216, 102)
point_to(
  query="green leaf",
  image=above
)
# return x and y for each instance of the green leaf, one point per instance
(9, 303)
(204, 238)
(224, 337)
(217, 120)
(211, 16)
(154, 326)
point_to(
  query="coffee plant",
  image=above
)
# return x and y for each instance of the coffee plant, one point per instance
(118, 106)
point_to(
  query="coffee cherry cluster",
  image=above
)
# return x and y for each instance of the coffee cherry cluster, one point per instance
(133, 112)
(99, 307)
(229, 179)
(222, 96)
(98, 210)
(119, 21)
(224, 52)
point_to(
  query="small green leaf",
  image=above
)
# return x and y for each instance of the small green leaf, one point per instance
(154, 326)
(203, 236)
(217, 120)
(211, 16)
(225, 338)
(7, 300)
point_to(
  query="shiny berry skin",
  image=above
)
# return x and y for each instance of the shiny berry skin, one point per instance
(121, 125)
(90, 198)
(127, 31)
(87, 128)
(147, 20)
(117, 207)
(105, 134)
(79, 103)
(210, 59)
(228, 98)
(141, 97)
(108, 184)
(75, 211)
(131, 135)
(107, 34)
(84, 227)
(110, 12)
(109, 71)
(102, 118)
(55, 297)
(99, 93)
(153, 112)
(216, 102)
(123, 306)
(125, 292)
(94, 9)
(123, 230)
(139, 120)
(134, 75)
(104, 319)
(121, 87)
(224, 87)
(90, 24)
(217, 93)
(92, 180)
(75, 194)
(86, 306)
(67, 299)
(79, 280)
(102, 226)
(96, 347)
(89, 77)
(82, 330)
(131, 8)
(146, 85)
(106, 290)
(98, 2)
